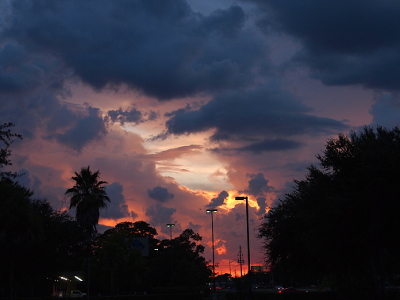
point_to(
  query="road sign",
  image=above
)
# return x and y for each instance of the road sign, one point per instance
(140, 243)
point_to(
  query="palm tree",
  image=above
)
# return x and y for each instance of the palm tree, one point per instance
(88, 196)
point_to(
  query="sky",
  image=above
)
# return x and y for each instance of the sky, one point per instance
(182, 105)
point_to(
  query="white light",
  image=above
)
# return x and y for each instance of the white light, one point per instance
(78, 278)
(63, 278)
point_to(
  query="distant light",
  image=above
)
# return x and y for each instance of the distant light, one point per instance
(211, 211)
(170, 225)
(63, 278)
(78, 278)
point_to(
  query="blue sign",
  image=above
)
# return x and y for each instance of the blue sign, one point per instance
(141, 244)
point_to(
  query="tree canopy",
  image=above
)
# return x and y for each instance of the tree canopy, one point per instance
(39, 244)
(341, 222)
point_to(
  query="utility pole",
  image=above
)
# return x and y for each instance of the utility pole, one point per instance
(230, 270)
(240, 260)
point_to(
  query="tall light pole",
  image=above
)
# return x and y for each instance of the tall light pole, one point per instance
(170, 250)
(212, 211)
(248, 238)
(170, 230)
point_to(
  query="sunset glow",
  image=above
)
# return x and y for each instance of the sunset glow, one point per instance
(187, 104)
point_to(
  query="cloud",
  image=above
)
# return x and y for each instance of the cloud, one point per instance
(43, 181)
(258, 185)
(386, 110)
(131, 116)
(344, 42)
(32, 86)
(16, 73)
(160, 194)
(174, 153)
(219, 200)
(161, 48)
(86, 129)
(31, 182)
(265, 112)
(239, 216)
(195, 227)
(117, 208)
(160, 215)
(262, 204)
(265, 146)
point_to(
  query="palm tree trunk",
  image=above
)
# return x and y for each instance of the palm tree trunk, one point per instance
(88, 272)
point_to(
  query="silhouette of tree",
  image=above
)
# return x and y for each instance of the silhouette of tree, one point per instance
(88, 196)
(118, 266)
(185, 254)
(139, 228)
(342, 222)
(38, 243)
(6, 138)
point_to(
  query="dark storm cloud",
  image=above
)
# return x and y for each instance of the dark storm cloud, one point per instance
(160, 194)
(23, 72)
(228, 22)
(253, 115)
(16, 75)
(258, 185)
(187, 108)
(88, 128)
(386, 110)
(131, 115)
(160, 47)
(271, 145)
(219, 200)
(160, 215)
(121, 116)
(31, 86)
(117, 207)
(262, 204)
(345, 41)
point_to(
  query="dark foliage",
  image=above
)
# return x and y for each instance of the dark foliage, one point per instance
(39, 244)
(341, 223)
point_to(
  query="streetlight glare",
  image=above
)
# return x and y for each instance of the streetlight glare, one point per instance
(170, 225)
(211, 210)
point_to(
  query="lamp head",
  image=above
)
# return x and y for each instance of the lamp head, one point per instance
(240, 198)
(170, 225)
(211, 211)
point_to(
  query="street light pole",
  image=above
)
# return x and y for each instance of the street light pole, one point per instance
(212, 211)
(170, 250)
(248, 238)
(170, 230)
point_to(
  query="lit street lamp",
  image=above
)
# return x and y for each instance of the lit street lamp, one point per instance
(212, 211)
(170, 249)
(248, 239)
(170, 230)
